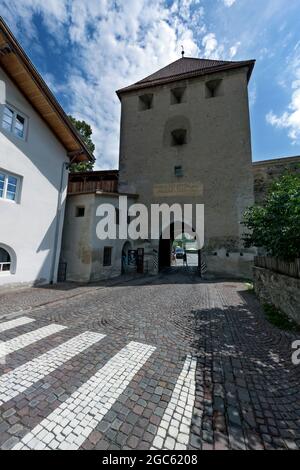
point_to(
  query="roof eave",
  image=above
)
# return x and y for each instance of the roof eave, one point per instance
(141, 85)
(277, 161)
(251, 68)
(41, 84)
(96, 172)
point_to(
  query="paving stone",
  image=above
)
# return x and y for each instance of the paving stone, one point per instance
(16, 429)
(244, 398)
(132, 442)
(10, 443)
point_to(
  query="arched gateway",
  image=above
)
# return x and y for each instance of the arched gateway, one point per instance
(179, 248)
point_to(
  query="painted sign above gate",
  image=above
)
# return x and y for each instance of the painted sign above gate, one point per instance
(178, 189)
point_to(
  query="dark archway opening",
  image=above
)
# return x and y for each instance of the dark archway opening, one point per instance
(125, 260)
(165, 253)
(165, 250)
(179, 251)
(5, 260)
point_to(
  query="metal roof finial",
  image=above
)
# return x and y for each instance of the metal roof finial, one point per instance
(182, 52)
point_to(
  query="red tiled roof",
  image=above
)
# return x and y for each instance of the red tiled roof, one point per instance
(187, 67)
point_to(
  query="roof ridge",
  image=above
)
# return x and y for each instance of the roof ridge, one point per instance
(159, 71)
(187, 67)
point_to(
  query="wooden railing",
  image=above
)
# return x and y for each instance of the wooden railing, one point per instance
(77, 187)
(277, 265)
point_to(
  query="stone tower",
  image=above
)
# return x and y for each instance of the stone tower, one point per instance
(185, 138)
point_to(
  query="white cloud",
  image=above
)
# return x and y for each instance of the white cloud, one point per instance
(116, 44)
(123, 49)
(290, 119)
(212, 49)
(109, 45)
(234, 50)
(229, 3)
(54, 13)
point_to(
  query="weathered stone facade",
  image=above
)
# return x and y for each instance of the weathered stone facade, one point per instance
(265, 172)
(215, 158)
(279, 290)
(180, 143)
(82, 251)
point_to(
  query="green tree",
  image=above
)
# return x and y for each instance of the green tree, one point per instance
(275, 226)
(86, 132)
(81, 167)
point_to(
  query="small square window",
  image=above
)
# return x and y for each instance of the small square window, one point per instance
(11, 189)
(213, 88)
(107, 256)
(145, 102)
(80, 211)
(7, 121)
(9, 186)
(178, 137)
(13, 121)
(19, 126)
(178, 171)
(178, 95)
(2, 183)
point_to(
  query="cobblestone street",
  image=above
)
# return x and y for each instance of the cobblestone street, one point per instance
(168, 362)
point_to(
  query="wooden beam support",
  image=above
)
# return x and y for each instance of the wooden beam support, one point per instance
(75, 153)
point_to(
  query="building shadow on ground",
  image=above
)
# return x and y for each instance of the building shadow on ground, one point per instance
(247, 386)
(174, 275)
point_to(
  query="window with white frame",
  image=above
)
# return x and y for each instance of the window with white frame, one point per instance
(8, 186)
(13, 121)
(5, 261)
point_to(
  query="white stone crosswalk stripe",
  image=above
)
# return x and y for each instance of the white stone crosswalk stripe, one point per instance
(15, 382)
(9, 325)
(174, 430)
(12, 345)
(73, 421)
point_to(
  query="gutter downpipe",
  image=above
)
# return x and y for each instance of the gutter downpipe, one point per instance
(65, 166)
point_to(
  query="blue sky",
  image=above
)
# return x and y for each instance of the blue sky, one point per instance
(86, 49)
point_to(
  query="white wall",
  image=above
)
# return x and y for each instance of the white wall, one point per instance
(77, 237)
(28, 226)
(82, 250)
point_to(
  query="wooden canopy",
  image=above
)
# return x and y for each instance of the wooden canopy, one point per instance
(24, 75)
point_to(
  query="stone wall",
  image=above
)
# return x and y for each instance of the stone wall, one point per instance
(215, 161)
(266, 172)
(281, 291)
